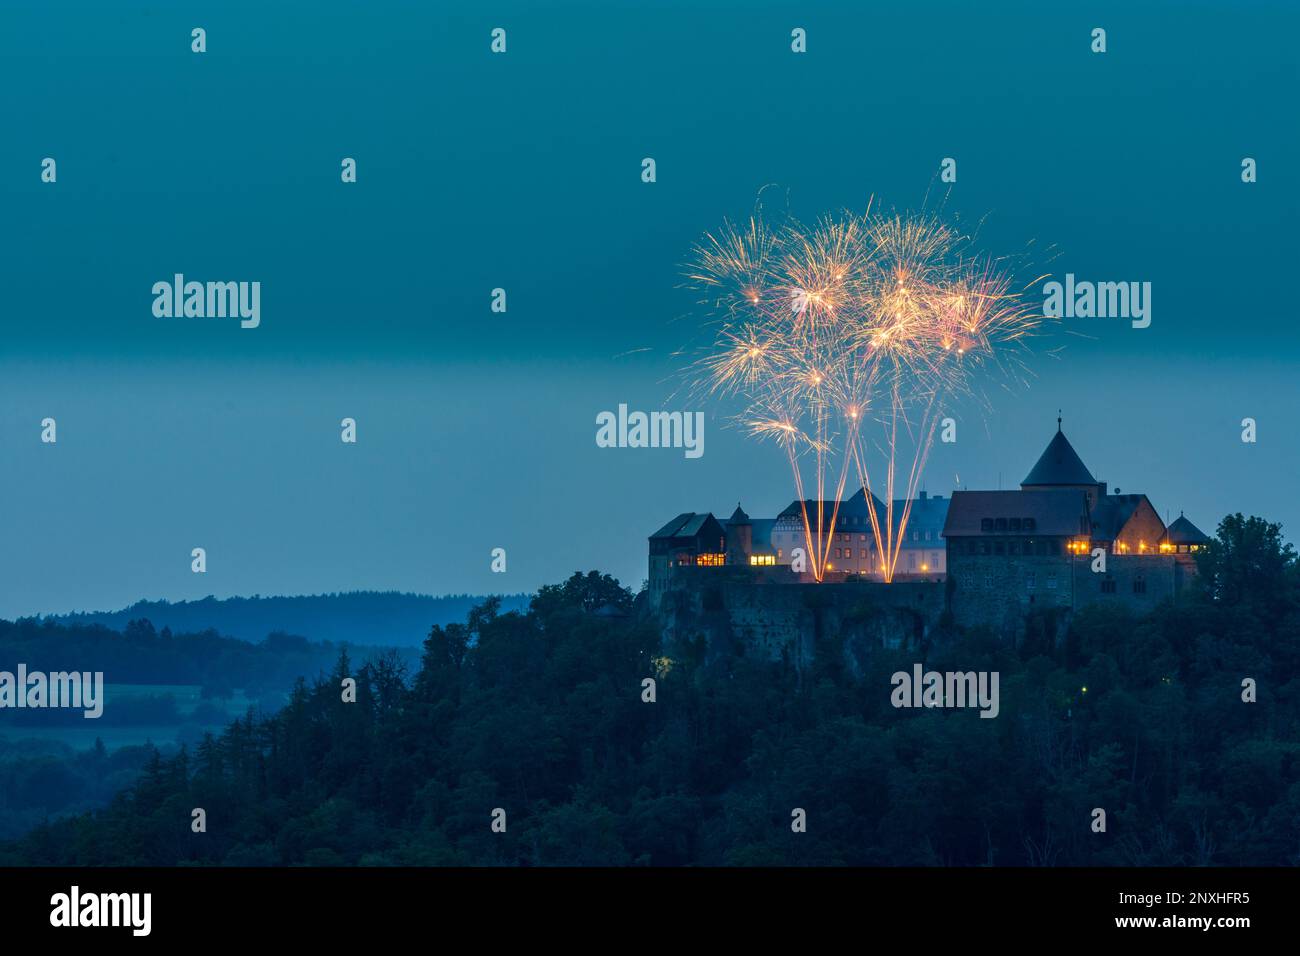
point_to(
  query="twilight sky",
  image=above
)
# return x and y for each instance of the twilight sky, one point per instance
(476, 429)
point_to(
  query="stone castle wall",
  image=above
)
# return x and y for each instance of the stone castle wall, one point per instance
(776, 613)
(999, 590)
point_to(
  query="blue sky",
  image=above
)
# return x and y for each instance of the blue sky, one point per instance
(522, 171)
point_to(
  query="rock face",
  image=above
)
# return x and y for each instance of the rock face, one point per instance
(775, 615)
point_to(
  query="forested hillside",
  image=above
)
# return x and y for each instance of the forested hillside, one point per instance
(541, 714)
(356, 617)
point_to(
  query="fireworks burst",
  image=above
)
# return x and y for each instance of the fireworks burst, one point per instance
(857, 328)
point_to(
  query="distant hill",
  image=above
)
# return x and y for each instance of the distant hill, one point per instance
(388, 618)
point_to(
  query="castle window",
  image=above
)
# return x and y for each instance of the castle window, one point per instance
(988, 579)
(911, 561)
(986, 524)
(1000, 524)
(1014, 524)
(984, 547)
(1031, 581)
(1139, 585)
(1013, 547)
(1029, 524)
(916, 536)
(999, 547)
(1108, 585)
(1051, 582)
(862, 553)
(927, 534)
(780, 553)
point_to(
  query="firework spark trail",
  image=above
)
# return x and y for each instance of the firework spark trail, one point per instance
(871, 314)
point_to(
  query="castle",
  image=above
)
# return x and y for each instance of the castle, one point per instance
(1063, 539)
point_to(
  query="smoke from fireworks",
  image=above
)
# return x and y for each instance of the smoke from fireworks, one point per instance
(857, 328)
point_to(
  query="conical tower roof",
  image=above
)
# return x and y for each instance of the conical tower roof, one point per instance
(1058, 465)
(738, 516)
(1183, 531)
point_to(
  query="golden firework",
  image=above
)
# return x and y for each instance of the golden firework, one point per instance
(860, 326)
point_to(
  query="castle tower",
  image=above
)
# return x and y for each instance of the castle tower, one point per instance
(740, 537)
(1061, 467)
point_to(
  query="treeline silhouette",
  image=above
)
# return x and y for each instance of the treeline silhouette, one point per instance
(540, 714)
(381, 618)
(139, 654)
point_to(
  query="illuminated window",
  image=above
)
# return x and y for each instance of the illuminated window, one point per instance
(762, 559)
(710, 560)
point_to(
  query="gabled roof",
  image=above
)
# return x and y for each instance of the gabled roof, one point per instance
(694, 525)
(1055, 512)
(926, 514)
(1183, 531)
(854, 506)
(685, 525)
(857, 504)
(738, 516)
(1058, 465)
(1111, 513)
(670, 529)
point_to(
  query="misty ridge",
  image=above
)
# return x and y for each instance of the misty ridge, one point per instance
(377, 618)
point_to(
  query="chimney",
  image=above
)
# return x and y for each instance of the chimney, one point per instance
(924, 495)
